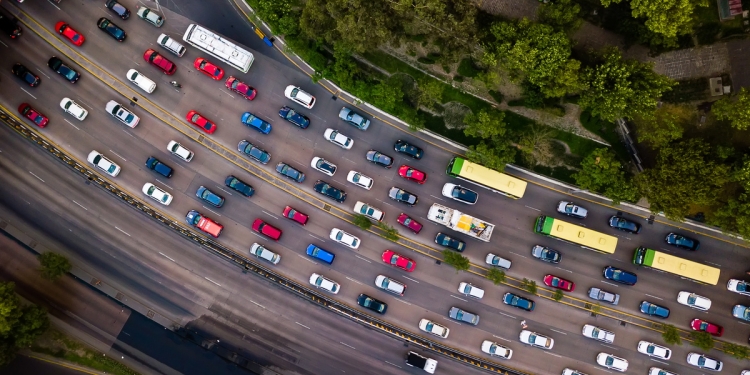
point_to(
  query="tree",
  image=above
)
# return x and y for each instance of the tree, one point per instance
(670, 19)
(53, 265)
(558, 295)
(430, 92)
(529, 285)
(362, 221)
(671, 335)
(496, 276)
(702, 340)
(601, 172)
(562, 15)
(384, 95)
(390, 233)
(456, 260)
(735, 350)
(20, 324)
(736, 111)
(486, 124)
(494, 155)
(665, 125)
(536, 145)
(734, 216)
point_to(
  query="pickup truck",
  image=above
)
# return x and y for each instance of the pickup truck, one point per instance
(418, 361)
(603, 295)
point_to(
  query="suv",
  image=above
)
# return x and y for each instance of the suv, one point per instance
(652, 309)
(390, 285)
(354, 119)
(703, 362)
(180, 151)
(150, 16)
(155, 165)
(515, 300)
(265, 254)
(240, 186)
(611, 362)
(371, 212)
(693, 300)
(203, 223)
(319, 253)
(620, 276)
(170, 45)
(652, 350)
(603, 295)
(463, 316)
(299, 96)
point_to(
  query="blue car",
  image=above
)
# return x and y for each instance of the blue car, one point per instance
(682, 242)
(294, 117)
(649, 308)
(354, 119)
(239, 186)
(620, 276)
(318, 253)
(209, 196)
(250, 120)
(518, 301)
(289, 172)
(741, 312)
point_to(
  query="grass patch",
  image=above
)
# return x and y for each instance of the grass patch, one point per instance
(467, 68)
(392, 64)
(56, 344)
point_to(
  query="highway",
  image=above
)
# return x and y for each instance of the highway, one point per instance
(431, 288)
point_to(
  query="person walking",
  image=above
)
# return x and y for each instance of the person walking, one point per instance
(523, 324)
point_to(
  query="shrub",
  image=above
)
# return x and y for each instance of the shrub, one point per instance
(467, 68)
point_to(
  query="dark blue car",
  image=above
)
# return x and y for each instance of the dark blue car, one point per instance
(620, 276)
(682, 242)
(157, 166)
(649, 308)
(294, 117)
(250, 120)
(518, 301)
(318, 253)
(239, 186)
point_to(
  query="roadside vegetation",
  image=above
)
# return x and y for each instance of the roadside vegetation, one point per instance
(58, 345)
(20, 323)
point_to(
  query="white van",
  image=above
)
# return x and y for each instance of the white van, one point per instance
(390, 285)
(171, 45)
(141, 81)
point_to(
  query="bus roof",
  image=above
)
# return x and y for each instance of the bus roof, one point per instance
(486, 177)
(681, 267)
(579, 235)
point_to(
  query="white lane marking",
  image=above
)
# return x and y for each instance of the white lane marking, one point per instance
(535, 209)
(655, 297)
(303, 325)
(663, 363)
(607, 282)
(87, 104)
(220, 285)
(164, 255)
(611, 347)
(128, 133)
(556, 355)
(32, 173)
(161, 182)
(313, 236)
(446, 318)
(71, 124)
(80, 205)
(53, 4)
(350, 279)
(436, 197)
(118, 155)
(563, 269)
(215, 213)
(347, 159)
(552, 329)
(342, 343)
(258, 304)
(270, 215)
(3, 43)
(509, 316)
(409, 278)
(459, 298)
(230, 95)
(366, 260)
(393, 364)
(715, 264)
(402, 301)
(219, 187)
(123, 231)
(524, 256)
(306, 258)
(501, 338)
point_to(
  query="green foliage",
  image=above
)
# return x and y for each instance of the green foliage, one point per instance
(498, 96)
(279, 14)
(362, 221)
(687, 91)
(735, 110)
(54, 343)
(496, 276)
(493, 155)
(467, 68)
(601, 172)
(558, 295)
(20, 324)
(456, 260)
(563, 15)
(596, 309)
(702, 340)
(736, 351)
(671, 335)
(390, 233)
(734, 216)
(669, 19)
(486, 124)
(53, 265)
(536, 145)
(430, 92)
(529, 285)
(666, 124)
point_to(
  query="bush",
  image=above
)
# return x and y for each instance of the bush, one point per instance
(498, 96)
(390, 233)
(702, 340)
(671, 335)
(446, 68)
(529, 285)
(456, 260)
(362, 221)
(53, 265)
(496, 276)
(558, 295)
(467, 68)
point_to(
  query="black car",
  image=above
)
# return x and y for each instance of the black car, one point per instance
(623, 224)
(294, 117)
(58, 66)
(209, 196)
(25, 75)
(118, 9)
(408, 149)
(287, 171)
(450, 242)
(403, 196)
(110, 28)
(515, 300)
(651, 309)
(682, 242)
(379, 158)
(546, 254)
(329, 191)
(239, 186)
(254, 152)
(372, 304)
(619, 275)
(155, 165)
(9, 26)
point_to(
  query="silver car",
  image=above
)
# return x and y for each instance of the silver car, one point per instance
(571, 209)
(463, 316)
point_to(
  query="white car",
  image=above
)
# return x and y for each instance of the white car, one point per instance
(570, 371)
(703, 362)
(390, 285)
(470, 290)
(101, 162)
(344, 238)
(597, 333)
(744, 372)
(739, 286)
(323, 165)
(157, 194)
(611, 362)
(571, 209)
(320, 281)
(338, 139)
(652, 350)
(360, 180)
(299, 96)
(265, 254)
(150, 16)
(460, 193)
(693, 300)
(496, 350)
(436, 329)
(119, 112)
(535, 339)
(369, 211)
(180, 151)
(658, 371)
(73, 109)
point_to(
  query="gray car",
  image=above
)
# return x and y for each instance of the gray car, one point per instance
(603, 295)
(463, 316)
(354, 119)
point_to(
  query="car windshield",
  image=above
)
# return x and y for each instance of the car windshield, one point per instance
(196, 219)
(67, 72)
(555, 282)
(703, 326)
(609, 361)
(532, 338)
(114, 30)
(742, 287)
(429, 326)
(514, 300)
(650, 349)
(701, 361)
(691, 299)
(569, 208)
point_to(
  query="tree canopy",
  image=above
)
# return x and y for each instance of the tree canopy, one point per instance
(665, 125)
(20, 324)
(735, 110)
(669, 18)
(53, 265)
(486, 124)
(601, 172)
(563, 15)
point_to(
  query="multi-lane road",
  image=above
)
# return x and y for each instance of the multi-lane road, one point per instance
(431, 288)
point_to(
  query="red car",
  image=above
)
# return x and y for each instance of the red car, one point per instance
(702, 325)
(410, 173)
(266, 229)
(74, 36)
(291, 213)
(32, 114)
(203, 123)
(242, 88)
(209, 69)
(410, 223)
(159, 61)
(398, 260)
(559, 283)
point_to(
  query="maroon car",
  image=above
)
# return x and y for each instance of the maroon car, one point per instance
(410, 223)
(559, 283)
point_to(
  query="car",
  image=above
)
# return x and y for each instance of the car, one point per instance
(360, 180)
(470, 290)
(463, 316)
(546, 254)
(704, 362)
(261, 252)
(324, 283)
(570, 371)
(338, 139)
(239, 186)
(319, 253)
(329, 191)
(110, 28)
(652, 350)
(741, 312)
(534, 339)
(390, 285)
(658, 371)
(203, 223)
(119, 112)
(370, 303)
(412, 174)
(603, 295)
(32, 114)
(705, 326)
(117, 9)
(206, 67)
(572, 210)
(294, 117)
(9, 25)
(597, 333)
(683, 242)
(559, 283)
(157, 194)
(611, 362)
(254, 152)
(149, 15)
(74, 109)
(299, 96)
(256, 123)
(653, 309)
(693, 300)
(410, 223)
(156, 59)
(140, 80)
(201, 122)
(397, 260)
(379, 158)
(294, 215)
(739, 286)
(344, 238)
(266, 229)
(354, 119)
(496, 350)
(460, 193)
(100, 161)
(323, 165)
(73, 36)
(515, 300)
(157, 166)
(619, 275)
(434, 328)
(209, 196)
(403, 196)
(60, 68)
(180, 151)
(171, 45)
(624, 225)
(369, 211)
(408, 149)
(445, 240)
(242, 88)
(290, 172)
(20, 71)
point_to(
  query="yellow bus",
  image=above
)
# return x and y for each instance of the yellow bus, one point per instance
(584, 237)
(487, 178)
(684, 268)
